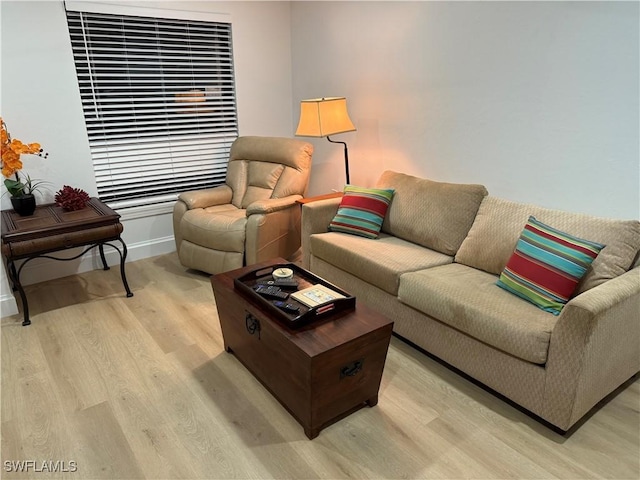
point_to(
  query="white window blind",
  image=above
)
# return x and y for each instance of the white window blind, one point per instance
(159, 103)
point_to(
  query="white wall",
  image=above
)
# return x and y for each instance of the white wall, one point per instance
(40, 103)
(538, 101)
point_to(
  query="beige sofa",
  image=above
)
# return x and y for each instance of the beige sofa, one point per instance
(434, 269)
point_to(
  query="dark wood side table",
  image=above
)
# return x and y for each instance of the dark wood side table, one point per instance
(51, 229)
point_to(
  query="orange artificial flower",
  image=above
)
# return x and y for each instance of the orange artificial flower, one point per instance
(12, 149)
(10, 163)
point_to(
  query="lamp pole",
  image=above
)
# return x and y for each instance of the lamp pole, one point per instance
(346, 157)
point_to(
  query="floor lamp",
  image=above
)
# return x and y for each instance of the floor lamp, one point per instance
(321, 117)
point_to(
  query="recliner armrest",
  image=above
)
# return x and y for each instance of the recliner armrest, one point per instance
(219, 195)
(272, 204)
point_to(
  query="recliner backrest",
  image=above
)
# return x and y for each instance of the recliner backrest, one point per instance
(267, 167)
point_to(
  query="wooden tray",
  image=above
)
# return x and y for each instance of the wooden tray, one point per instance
(245, 284)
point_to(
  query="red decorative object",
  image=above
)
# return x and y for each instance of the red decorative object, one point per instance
(70, 198)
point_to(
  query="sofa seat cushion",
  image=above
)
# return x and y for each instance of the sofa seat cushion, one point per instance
(221, 227)
(379, 262)
(468, 300)
(497, 227)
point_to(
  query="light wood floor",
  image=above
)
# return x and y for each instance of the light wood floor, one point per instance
(141, 388)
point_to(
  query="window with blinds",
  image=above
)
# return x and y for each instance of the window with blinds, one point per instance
(159, 103)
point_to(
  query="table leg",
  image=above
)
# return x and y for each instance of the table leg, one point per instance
(123, 257)
(102, 257)
(14, 276)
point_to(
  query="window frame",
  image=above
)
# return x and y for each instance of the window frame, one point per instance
(211, 112)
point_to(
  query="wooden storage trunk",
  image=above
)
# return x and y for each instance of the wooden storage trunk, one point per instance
(321, 372)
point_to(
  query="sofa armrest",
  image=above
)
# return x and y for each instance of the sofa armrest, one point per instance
(272, 204)
(316, 217)
(219, 195)
(594, 348)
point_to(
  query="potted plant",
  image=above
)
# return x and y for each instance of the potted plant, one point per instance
(21, 189)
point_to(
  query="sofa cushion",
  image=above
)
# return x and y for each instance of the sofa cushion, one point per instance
(432, 214)
(469, 301)
(361, 211)
(495, 232)
(221, 227)
(379, 262)
(547, 265)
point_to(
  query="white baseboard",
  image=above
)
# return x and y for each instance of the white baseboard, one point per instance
(8, 305)
(43, 269)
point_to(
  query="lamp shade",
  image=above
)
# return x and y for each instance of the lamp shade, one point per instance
(320, 117)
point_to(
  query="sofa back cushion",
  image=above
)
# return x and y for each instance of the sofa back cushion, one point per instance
(498, 224)
(435, 215)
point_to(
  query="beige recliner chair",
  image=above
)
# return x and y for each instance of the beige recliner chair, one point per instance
(254, 215)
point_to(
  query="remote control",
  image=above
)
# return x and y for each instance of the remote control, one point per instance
(287, 307)
(271, 291)
(282, 283)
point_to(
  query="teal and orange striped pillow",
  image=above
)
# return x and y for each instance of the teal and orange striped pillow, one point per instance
(547, 265)
(362, 211)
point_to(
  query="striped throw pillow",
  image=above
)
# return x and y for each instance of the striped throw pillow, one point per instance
(547, 265)
(361, 211)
